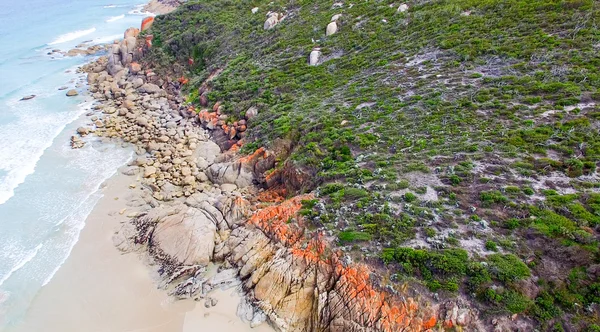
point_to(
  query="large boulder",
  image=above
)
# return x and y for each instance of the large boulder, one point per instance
(135, 68)
(92, 78)
(251, 112)
(313, 59)
(231, 172)
(72, 93)
(272, 20)
(206, 151)
(131, 32)
(149, 88)
(332, 28)
(244, 171)
(147, 23)
(187, 236)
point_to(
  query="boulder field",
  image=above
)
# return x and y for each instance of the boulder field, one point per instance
(207, 203)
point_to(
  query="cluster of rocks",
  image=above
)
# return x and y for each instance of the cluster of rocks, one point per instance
(314, 57)
(82, 49)
(231, 133)
(121, 53)
(174, 150)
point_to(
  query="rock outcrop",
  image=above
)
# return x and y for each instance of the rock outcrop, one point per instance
(314, 56)
(147, 23)
(272, 20)
(332, 28)
(186, 234)
(72, 93)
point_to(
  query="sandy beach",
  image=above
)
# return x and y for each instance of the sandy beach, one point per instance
(99, 288)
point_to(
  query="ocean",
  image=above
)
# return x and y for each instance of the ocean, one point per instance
(46, 188)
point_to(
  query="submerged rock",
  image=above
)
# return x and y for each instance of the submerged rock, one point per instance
(28, 97)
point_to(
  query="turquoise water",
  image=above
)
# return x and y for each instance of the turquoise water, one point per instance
(46, 188)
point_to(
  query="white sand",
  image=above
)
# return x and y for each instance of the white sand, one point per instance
(100, 289)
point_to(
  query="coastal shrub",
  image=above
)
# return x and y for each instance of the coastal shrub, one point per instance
(507, 268)
(353, 236)
(410, 197)
(478, 101)
(491, 245)
(492, 197)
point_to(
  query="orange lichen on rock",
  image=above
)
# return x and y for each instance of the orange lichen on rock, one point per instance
(131, 32)
(313, 251)
(147, 23)
(260, 153)
(149, 40)
(273, 178)
(206, 116)
(273, 195)
(354, 289)
(430, 323)
(183, 80)
(354, 282)
(273, 220)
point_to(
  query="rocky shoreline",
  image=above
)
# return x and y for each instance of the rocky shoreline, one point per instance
(205, 203)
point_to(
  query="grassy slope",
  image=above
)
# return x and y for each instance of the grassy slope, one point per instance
(473, 132)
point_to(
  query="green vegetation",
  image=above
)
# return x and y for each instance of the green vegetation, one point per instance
(494, 112)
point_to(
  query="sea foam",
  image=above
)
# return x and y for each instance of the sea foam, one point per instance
(67, 37)
(108, 39)
(139, 10)
(24, 260)
(115, 18)
(19, 155)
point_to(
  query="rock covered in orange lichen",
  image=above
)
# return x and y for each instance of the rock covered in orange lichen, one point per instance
(273, 195)
(273, 220)
(135, 68)
(131, 32)
(183, 80)
(347, 297)
(147, 23)
(149, 39)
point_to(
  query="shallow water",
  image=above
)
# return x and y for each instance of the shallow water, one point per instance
(46, 188)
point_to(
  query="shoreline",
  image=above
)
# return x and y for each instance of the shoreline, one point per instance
(99, 288)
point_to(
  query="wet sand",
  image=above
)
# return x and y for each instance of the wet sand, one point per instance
(98, 288)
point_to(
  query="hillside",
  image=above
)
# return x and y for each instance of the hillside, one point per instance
(452, 146)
